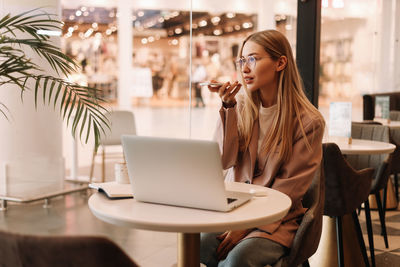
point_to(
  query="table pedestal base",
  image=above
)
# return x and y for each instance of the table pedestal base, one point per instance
(188, 250)
(326, 254)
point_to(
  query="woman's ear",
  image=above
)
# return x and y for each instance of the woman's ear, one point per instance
(282, 62)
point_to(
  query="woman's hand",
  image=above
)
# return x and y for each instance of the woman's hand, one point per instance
(227, 92)
(229, 239)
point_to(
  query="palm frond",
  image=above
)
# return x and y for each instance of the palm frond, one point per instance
(74, 99)
(80, 105)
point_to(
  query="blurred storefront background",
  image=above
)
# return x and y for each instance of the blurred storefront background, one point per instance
(359, 52)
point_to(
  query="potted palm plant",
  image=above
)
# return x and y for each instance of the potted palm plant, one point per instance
(80, 106)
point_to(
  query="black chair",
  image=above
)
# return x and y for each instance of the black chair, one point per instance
(381, 163)
(305, 244)
(20, 250)
(395, 139)
(345, 190)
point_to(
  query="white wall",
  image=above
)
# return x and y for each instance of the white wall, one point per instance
(31, 142)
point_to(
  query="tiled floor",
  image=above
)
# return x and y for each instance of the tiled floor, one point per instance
(70, 214)
(390, 256)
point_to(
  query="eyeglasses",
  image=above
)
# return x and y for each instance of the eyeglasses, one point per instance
(250, 61)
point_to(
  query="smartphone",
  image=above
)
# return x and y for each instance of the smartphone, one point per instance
(211, 84)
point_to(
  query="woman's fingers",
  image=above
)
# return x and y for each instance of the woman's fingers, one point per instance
(228, 93)
(213, 89)
(224, 248)
(222, 236)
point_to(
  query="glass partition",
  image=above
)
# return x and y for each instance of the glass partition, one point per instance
(173, 48)
(349, 58)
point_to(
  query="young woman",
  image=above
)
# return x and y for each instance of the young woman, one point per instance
(272, 136)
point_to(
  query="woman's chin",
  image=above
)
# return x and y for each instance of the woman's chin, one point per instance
(252, 87)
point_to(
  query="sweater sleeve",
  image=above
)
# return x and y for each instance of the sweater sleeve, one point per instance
(227, 136)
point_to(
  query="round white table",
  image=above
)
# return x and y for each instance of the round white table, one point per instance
(190, 222)
(361, 146)
(386, 122)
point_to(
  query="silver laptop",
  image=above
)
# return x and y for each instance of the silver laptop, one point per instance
(179, 172)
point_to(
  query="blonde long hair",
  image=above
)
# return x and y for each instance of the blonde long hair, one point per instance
(290, 100)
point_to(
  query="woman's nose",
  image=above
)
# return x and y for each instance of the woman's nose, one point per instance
(245, 69)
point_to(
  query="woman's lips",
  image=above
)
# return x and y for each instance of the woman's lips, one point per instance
(248, 80)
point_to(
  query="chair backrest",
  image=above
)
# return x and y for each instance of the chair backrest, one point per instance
(345, 187)
(121, 122)
(307, 237)
(395, 139)
(368, 132)
(20, 250)
(394, 115)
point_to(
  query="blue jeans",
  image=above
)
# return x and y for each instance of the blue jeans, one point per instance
(251, 252)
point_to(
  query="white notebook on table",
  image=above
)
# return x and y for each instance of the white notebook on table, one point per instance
(113, 190)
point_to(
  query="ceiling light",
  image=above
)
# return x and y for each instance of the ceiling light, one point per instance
(108, 31)
(88, 32)
(140, 13)
(237, 27)
(175, 42)
(98, 35)
(83, 8)
(215, 20)
(247, 25)
(144, 41)
(203, 23)
(78, 13)
(175, 14)
(71, 29)
(151, 39)
(95, 25)
(48, 32)
(195, 26)
(230, 15)
(111, 14)
(161, 20)
(178, 30)
(71, 17)
(85, 13)
(217, 32)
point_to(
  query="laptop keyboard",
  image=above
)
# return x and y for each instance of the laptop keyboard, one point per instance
(230, 200)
